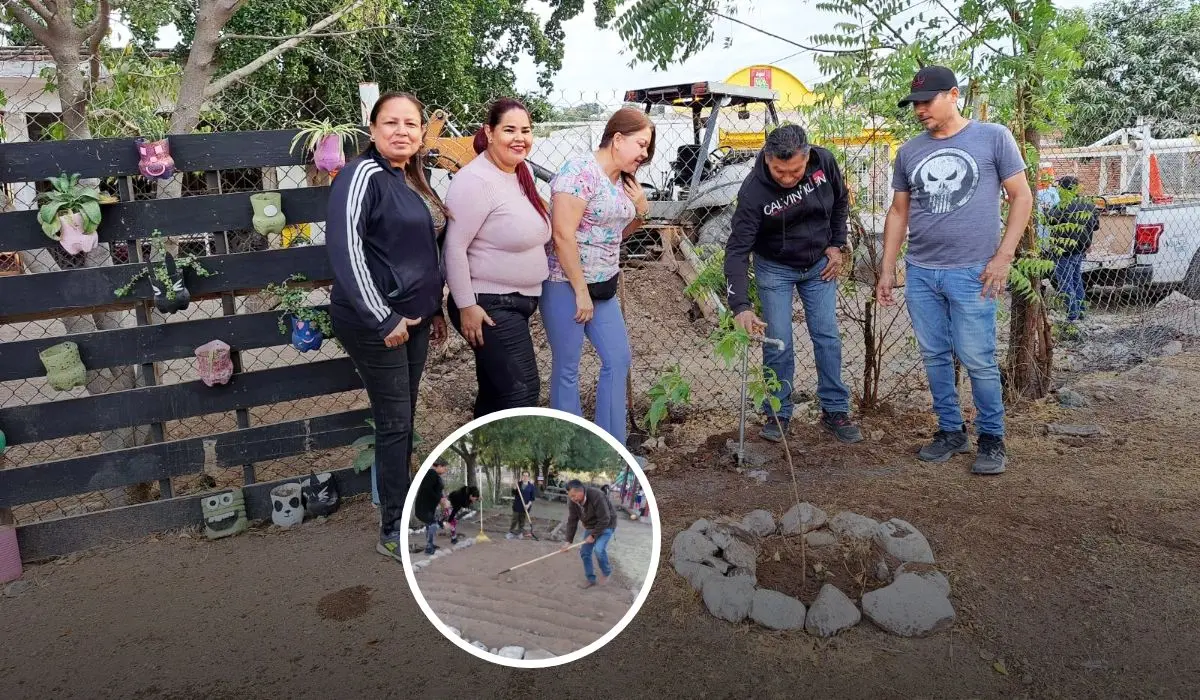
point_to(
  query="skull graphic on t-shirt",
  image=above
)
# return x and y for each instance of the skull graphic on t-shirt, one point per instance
(946, 179)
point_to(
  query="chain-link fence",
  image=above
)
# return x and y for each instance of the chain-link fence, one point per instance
(1141, 273)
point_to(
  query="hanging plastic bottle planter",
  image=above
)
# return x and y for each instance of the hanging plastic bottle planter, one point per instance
(166, 278)
(324, 140)
(154, 159)
(268, 213)
(214, 363)
(70, 213)
(308, 326)
(64, 366)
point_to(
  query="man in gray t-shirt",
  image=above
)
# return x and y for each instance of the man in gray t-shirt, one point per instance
(948, 184)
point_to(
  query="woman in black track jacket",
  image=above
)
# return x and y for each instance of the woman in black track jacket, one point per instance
(386, 302)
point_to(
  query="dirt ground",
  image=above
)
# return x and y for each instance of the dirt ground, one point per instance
(1073, 575)
(539, 606)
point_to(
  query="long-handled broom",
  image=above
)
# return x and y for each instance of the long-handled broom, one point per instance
(482, 535)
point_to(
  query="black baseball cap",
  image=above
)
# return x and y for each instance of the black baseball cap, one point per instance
(928, 82)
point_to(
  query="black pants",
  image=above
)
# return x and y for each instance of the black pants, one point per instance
(505, 367)
(392, 378)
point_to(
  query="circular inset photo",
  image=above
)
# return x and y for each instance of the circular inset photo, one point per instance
(533, 537)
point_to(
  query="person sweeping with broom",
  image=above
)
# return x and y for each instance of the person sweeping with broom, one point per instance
(523, 497)
(588, 504)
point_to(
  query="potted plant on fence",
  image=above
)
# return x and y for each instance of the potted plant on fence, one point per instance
(166, 278)
(309, 326)
(154, 150)
(70, 213)
(323, 139)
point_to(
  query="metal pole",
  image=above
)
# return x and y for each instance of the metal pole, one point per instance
(742, 419)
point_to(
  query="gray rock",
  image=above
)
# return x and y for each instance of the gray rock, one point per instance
(753, 454)
(479, 645)
(909, 607)
(538, 654)
(743, 572)
(692, 546)
(881, 571)
(512, 652)
(759, 475)
(455, 632)
(776, 611)
(1171, 349)
(695, 573)
(1071, 398)
(1073, 430)
(802, 518)
(722, 533)
(741, 555)
(847, 524)
(493, 652)
(927, 572)
(720, 565)
(903, 541)
(820, 538)
(760, 522)
(831, 613)
(18, 587)
(700, 526)
(729, 598)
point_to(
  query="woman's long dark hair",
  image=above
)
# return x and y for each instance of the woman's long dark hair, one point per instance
(413, 169)
(499, 108)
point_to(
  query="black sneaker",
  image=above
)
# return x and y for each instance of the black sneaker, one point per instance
(945, 445)
(842, 428)
(773, 432)
(992, 456)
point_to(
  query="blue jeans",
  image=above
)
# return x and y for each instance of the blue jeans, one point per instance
(600, 548)
(607, 333)
(950, 319)
(1068, 278)
(430, 534)
(776, 283)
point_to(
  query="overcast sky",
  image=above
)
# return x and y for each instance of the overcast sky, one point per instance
(593, 61)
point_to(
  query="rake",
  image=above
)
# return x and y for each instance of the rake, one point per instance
(776, 342)
(527, 515)
(544, 556)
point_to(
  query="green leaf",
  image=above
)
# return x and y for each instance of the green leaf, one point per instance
(366, 441)
(364, 460)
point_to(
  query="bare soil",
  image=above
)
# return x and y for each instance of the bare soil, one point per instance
(849, 566)
(540, 606)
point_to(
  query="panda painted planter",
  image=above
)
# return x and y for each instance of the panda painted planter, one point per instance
(287, 507)
(305, 336)
(224, 513)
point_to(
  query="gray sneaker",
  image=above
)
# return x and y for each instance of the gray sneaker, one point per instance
(842, 428)
(945, 445)
(992, 456)
(772, 432)
(389, 545)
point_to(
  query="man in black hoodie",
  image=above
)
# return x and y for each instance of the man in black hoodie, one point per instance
(791, 213)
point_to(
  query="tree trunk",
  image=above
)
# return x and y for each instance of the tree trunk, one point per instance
(1030, 359)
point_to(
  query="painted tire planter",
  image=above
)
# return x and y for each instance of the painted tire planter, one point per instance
(3, 443)
(214, 363)
(154, 159)
(71, 236)
(329, 156)
(169, 300)
(305, 336)
(64, 367)
(268, 213)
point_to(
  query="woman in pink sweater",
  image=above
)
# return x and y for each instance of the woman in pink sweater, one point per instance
(495, 257)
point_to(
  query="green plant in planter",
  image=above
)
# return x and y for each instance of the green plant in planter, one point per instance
(70, 213)
(365, 459)
(166, 277)
(309, 326)
(323, 139)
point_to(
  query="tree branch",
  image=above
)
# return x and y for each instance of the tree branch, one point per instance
(315, 35)
(40, 31)
(96, 32)
(216, 86)
(973, 33)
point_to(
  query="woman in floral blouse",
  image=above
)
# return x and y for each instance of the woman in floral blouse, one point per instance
(596, 202)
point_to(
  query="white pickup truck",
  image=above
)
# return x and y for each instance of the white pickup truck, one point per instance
(1161, 252)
